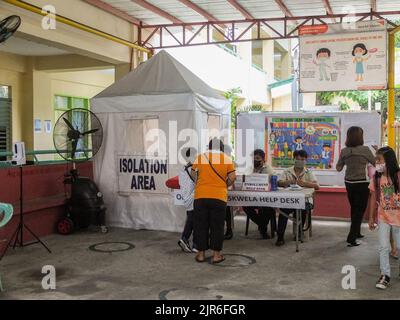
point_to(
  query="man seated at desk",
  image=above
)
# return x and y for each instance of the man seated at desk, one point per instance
(296, 175)
(261, 216)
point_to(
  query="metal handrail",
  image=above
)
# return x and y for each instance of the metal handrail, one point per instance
(36, 153)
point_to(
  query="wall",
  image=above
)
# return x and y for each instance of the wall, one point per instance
(33, 95)
(83, 84)
(13, 73)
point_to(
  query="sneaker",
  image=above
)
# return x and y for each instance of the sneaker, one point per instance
(280, 243)
(265, 235)
(103, 229)
(228, 235)
(383, 282)
(194, 250)
(185, 246)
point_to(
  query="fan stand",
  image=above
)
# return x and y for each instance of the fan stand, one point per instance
(19, 232)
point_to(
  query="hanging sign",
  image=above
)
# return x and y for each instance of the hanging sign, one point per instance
(339, 57)
(142, 173)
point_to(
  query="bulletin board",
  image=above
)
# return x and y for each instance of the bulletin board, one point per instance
(330, 129)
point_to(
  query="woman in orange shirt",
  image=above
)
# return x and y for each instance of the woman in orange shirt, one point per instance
(214, 171)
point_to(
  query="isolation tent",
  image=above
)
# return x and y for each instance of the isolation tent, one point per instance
(161, 94)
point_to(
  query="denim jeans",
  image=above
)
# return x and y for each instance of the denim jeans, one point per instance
(384, 245)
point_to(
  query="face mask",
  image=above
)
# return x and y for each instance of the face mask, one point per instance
(299, 164)
(257, 164)
(380, 167)
(358, 55)
(323, 58)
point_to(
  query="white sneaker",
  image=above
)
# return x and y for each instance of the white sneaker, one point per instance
(185, 246)
(194, 250)
(383, 282)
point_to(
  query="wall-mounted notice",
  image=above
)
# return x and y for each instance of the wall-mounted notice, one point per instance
(338, 57)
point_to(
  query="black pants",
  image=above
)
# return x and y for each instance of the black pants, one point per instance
(209, 222)
(262, 217)
(282, 222)
(188, 229)
(228, 219)
(357, 194)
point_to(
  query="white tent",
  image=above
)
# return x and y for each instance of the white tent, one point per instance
(160, 94)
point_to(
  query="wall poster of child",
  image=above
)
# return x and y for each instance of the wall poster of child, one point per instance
(318, 136)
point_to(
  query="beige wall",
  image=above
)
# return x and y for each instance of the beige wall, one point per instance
(283, 103)
(83, 84)
(12, 73)
(33, 95)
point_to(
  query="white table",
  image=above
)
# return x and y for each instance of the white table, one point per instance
(283, 199)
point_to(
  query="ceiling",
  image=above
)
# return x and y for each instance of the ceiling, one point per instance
(24, 47)
(153, 12)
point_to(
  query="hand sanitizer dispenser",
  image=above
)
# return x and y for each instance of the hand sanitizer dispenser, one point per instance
(19, 157)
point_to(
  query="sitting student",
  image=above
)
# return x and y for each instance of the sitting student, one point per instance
(187, 185)
(298, 175)
(261, 216)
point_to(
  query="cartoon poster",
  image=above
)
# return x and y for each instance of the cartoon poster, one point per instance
(333, 58)
(318, 136)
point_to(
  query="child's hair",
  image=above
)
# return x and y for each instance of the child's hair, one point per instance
(259, 152)
(324, 50)
(392, 166)
(361, 46)
(300, 153)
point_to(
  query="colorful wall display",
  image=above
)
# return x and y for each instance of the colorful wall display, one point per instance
(336, 58)
(318, 136)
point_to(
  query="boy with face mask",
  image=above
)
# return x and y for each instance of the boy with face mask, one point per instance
(296, 175)
(261, 216)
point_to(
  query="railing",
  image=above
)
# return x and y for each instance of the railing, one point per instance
(35, 154)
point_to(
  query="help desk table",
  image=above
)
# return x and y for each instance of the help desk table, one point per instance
(283, 199)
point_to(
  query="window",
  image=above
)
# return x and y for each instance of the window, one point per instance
(5, 120)
(140, 136)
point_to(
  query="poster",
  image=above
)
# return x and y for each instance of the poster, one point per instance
(318, 136)
(47, 126)
(333, 58)
(142, 173)
(37, 125)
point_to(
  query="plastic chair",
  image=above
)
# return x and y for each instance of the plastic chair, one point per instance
(6, 213)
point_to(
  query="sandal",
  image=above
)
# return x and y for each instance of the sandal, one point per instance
(200, 260)
(218, 261)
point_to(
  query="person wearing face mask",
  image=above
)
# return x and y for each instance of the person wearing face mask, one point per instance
(355, 156)
(262, 215)
(384, 208)
(296, 175)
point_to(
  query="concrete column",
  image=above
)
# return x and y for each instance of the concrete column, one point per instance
(28, 103)
(286, 66)
(268, 57)
(122, 70)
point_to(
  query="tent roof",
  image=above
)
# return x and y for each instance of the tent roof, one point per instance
(161, 75)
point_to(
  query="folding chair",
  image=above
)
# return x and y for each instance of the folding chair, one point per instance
(273, 226)
(6, 213)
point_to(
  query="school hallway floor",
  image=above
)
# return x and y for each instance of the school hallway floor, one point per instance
(157, 269)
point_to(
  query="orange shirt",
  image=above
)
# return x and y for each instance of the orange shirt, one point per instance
(209, 185)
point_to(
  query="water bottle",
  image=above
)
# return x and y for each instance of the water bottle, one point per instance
(274, 183)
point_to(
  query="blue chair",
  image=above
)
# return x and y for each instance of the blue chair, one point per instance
(6, 213)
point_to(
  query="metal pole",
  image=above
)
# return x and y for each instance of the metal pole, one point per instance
(391, 93)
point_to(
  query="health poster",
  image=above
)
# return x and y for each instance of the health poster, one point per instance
(318, 136)
(343, 61)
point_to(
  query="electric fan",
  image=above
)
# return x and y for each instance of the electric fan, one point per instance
(78, 136)
(8, 26)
